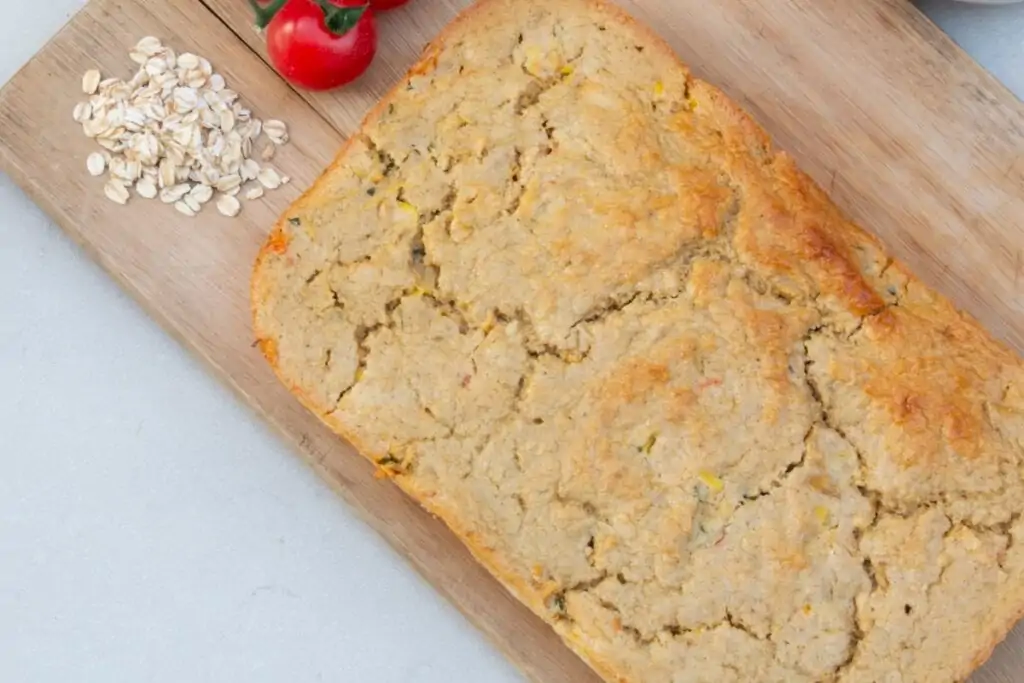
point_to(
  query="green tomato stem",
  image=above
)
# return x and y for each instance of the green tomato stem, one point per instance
(341, 20)
(264, 13)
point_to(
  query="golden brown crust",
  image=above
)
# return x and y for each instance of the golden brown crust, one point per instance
(894, 423)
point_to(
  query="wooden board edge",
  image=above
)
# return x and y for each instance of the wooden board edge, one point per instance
(548, 653)
(528, 662)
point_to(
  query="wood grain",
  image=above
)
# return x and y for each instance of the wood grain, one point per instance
(910, 137)
(192, 275)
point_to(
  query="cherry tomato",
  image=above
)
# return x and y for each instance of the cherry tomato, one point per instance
(385, 5)
(318, 44)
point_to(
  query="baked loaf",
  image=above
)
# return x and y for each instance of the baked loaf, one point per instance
(571, 299)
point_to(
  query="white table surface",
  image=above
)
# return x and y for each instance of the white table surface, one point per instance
(152, 529)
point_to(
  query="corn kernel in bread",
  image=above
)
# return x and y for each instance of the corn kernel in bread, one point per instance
(574, 302)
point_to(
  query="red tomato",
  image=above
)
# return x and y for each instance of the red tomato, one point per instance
(385, 5)
(318, 44)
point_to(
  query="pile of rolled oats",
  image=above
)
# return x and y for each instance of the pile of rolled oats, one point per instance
(177, 132)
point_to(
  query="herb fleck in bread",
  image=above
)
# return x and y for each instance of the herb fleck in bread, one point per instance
(571, 299)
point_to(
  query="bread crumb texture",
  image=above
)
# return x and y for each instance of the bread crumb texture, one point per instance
(571, 299)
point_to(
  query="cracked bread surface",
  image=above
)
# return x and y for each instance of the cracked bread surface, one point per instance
(573, 302)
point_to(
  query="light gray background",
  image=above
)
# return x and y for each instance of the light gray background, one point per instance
(151, 529)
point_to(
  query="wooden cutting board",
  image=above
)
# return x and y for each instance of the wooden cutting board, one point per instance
(906, 132)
